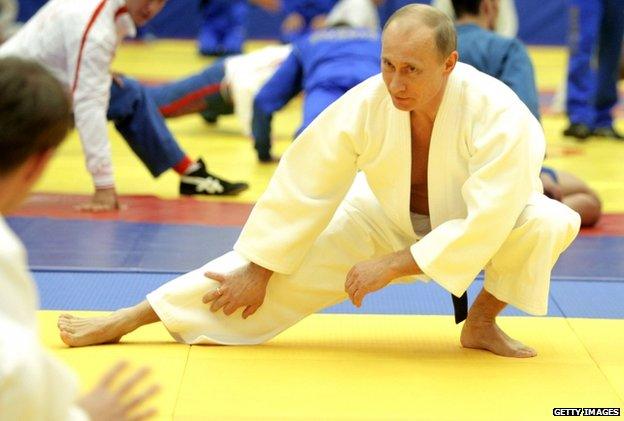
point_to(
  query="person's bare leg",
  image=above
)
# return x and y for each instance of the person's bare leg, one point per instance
(585, 205)
(480, 330)
(578, 196)
(76, 331)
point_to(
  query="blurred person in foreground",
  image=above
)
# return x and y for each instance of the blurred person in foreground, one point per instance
(35, 116)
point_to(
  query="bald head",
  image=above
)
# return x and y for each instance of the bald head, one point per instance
(414, 17)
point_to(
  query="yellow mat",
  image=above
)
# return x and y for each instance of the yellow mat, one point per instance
(371, 367)
(230, 154)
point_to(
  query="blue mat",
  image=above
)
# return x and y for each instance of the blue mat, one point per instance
(110, 291)
(55, 244)
(112, 245)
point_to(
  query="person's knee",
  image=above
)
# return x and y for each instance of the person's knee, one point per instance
(125, 93)
(591, 210)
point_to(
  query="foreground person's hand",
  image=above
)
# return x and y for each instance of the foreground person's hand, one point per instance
(119, 402)
(244, 287)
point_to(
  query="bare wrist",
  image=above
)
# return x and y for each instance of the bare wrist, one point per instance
(402, 263)
(263, 272)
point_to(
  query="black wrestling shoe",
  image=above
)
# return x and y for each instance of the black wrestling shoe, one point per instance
(201, 182)
(608, 132)
(579, 131)
(268, 159)
(209, 116)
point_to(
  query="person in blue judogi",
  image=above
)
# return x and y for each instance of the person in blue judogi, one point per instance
(223, 27)
(325, 65)
(303, 17)
(224, 22)
(507, 60)
(501, 57)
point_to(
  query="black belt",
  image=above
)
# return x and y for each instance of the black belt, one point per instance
(460, 305)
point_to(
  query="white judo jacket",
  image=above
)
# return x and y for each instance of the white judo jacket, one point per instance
(76, 40)
(484, 162)
(245, 75)
(33, 385)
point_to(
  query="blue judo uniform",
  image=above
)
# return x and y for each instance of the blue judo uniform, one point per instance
(223, 28)
(325, 65)
(505, 59)
(308, 9)
(591, 94)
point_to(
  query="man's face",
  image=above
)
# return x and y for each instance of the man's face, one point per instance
(412, 68)
(142, 11)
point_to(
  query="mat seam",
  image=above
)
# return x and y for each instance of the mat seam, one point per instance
(175, 404)
(611, 385)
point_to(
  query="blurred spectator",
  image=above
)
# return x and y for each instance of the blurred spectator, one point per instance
(224, 22)
(303, 16)
(223, 27)
(596, 30)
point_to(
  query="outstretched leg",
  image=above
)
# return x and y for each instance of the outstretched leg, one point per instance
(352, 236)
(76, 331)
(480, 330)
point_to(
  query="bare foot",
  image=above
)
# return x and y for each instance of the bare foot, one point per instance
(76, 331)
(488, 336)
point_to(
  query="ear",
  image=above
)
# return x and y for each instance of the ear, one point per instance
(36, 164)
(450, 62)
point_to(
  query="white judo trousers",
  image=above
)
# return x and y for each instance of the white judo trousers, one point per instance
(360, 231)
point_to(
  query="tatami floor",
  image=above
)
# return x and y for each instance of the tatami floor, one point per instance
(397, 358)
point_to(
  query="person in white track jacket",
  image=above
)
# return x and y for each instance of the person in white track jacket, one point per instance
(76, 40)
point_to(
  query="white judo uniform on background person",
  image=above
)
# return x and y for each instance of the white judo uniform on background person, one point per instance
(33, 384)
(487, 211)
(245, 74)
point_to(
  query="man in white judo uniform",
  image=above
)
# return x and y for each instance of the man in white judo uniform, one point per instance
(35, 115)
(449, 161)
